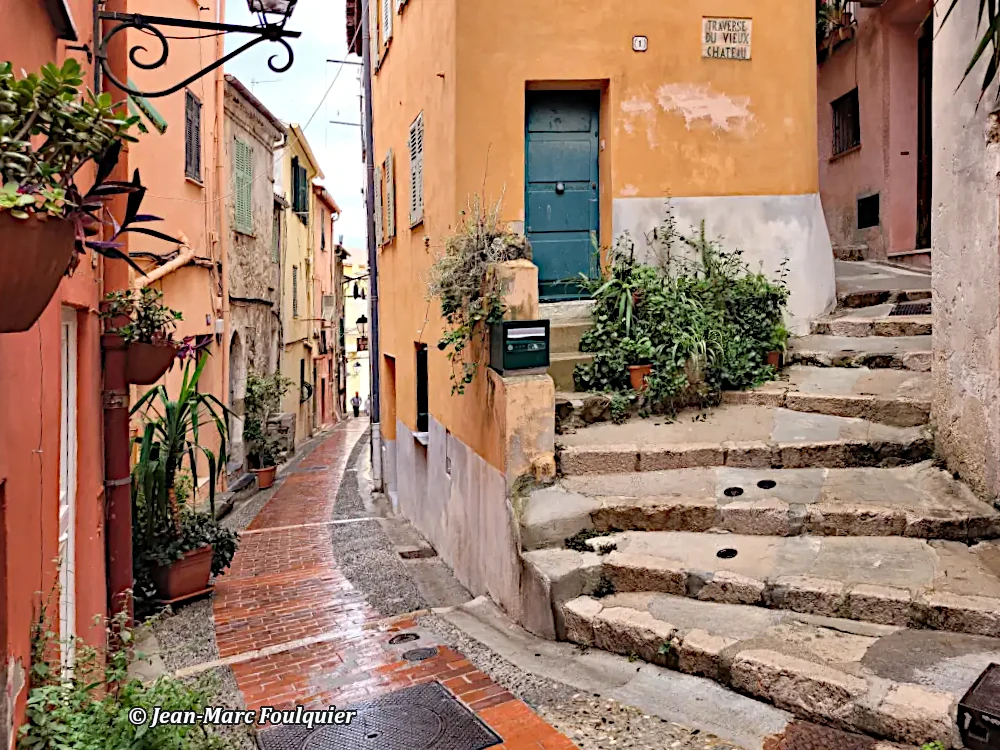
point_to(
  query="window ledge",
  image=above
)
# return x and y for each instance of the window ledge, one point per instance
(422, 437)
(194, 181)
(848, 152)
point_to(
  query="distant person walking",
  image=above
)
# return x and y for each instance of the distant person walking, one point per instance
(368, 406)
(356, 405)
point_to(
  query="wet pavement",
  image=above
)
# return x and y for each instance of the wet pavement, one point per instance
(295, 631)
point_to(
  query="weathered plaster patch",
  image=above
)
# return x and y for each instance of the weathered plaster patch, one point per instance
(700, 102)
(638, 107)
(628, 191)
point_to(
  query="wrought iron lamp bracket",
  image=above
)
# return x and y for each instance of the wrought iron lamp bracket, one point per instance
(151, 25)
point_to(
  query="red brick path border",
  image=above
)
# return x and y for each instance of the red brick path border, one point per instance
(284, 585)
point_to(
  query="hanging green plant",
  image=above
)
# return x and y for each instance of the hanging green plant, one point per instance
(470, 296)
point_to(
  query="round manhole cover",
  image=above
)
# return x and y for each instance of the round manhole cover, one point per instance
(403, 638)
(420, 654)
(767, 484)
(732, 491)
(726, 554)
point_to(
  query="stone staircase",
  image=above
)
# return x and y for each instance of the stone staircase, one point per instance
(796, 544)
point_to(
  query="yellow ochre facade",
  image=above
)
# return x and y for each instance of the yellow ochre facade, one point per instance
(726, 132)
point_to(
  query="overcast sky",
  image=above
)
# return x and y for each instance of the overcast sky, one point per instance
(292, 97)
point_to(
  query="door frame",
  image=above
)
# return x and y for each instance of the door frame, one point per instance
(68, 446)
(574, 291)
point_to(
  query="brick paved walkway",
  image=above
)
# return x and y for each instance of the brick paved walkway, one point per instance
(284, 587)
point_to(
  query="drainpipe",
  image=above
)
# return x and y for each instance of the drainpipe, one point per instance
(115, 392)
(185, 257)
(373, 347)
(222, 219)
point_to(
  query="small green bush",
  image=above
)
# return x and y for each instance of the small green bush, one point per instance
(705, 322)
(88, 708)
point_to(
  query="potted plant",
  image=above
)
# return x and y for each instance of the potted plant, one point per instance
(176, 546)
(48, 132)
(148, 334)
(779, 342)
(262, 401)
(639, 356)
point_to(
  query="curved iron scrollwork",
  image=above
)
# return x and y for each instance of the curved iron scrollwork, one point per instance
(305, 391)
(139, 55)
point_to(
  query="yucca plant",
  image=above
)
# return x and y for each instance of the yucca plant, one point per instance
(171, 436)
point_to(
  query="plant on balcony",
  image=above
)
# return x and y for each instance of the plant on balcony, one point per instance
(469, 295)
(263, 401)
(91, 706)
(49, 131)
(176, 546)
(697, 316)
(149, 332)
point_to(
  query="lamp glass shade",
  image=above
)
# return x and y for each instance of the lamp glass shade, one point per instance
(280, 7)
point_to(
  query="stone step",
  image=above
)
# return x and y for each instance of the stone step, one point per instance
(901, 685)
(564, 338)
(872, 297)
(917, 501)
(561, 368)
(872, 321)
(911, 259)
(895, 397)
(912, 583)
(758, 437)
(877, 352)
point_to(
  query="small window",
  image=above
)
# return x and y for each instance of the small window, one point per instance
(192, 136)
(300, 191)
(846, 123)
(295, 291)
(416, 144)
(423, 416)
(276, 238)
(868, 212)
(243, 186)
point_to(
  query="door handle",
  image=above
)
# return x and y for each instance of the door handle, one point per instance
(560, 188)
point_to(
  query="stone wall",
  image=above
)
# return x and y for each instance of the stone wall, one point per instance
(966, 270)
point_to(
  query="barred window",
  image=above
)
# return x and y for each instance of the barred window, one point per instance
(846, 123)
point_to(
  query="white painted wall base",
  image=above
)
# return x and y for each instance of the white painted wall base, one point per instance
(767, 228)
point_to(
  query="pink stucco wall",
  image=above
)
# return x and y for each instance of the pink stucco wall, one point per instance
(881, 61)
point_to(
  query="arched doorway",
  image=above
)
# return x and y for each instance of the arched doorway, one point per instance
(237, 392)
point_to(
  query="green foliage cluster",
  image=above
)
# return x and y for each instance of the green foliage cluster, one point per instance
(88, 708)
(470, 296)
(48, 130)
(150, 321)
(704, 321)
(262, 401)
(163, 528)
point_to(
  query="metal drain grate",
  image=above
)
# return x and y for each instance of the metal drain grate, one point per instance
(421, 654)
(403, 638)
(418, 554)
(423, 717)
(912, 308)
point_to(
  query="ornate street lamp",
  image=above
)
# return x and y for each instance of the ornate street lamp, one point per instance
(271, 14)
(362, 324)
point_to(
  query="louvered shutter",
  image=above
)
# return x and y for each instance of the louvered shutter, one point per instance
(295, 291)
(378, 207)
(417, 170)
(390, 198)
(386, 21)
(243, 186)
(192, 136)
(373, 11)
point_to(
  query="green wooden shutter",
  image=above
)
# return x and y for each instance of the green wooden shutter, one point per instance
(379, 230)
(390, 198)
(417, 170)
(243, 186)
(192, 136)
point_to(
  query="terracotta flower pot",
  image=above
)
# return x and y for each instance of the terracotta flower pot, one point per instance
(186, 576)
(637, 375)
(34, 255)
(265, 477)
(148, 362)
(774, 359)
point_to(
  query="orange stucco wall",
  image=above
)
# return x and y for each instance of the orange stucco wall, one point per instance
(672, 124)
(30, 387)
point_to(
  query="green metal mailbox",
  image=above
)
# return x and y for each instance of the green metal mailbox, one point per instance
(518, 345)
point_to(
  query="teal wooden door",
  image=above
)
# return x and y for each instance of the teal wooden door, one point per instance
(561, 188)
